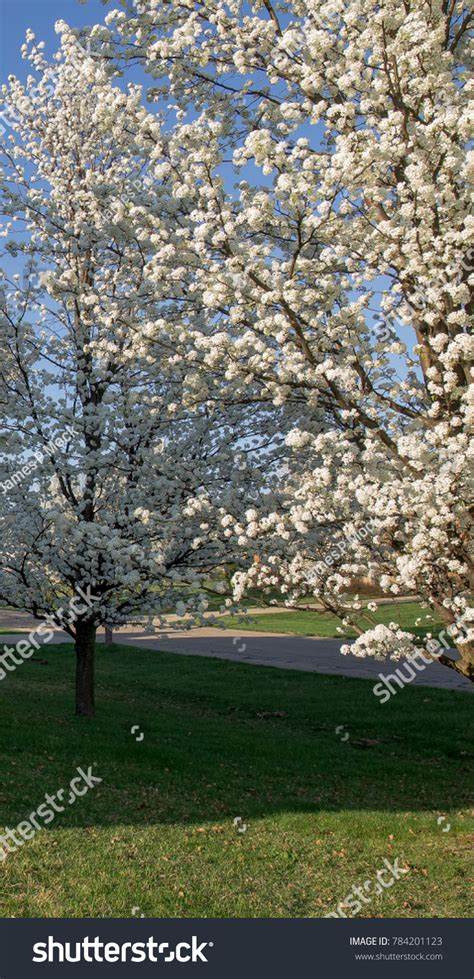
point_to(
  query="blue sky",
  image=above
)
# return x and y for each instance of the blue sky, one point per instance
(17, 15)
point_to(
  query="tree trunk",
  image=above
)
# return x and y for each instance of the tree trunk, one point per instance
(456, 630)
(466, 659)
(109, 635)
(85, 651)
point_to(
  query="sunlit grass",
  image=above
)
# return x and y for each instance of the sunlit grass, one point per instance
(225, 740)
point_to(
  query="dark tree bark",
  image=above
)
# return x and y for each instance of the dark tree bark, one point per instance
(85, 655)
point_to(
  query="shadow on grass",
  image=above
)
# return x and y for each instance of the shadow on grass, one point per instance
(221, 737)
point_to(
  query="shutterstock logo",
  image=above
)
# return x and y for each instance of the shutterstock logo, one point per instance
(96, 950)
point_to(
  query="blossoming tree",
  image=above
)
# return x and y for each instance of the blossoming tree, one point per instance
(338, 272)
(115, 471)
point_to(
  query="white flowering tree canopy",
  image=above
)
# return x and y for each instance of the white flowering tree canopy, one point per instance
(325, 151)
(276, 233)
(118, 464)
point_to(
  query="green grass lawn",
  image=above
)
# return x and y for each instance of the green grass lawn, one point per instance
(158, 834)
(313, 623)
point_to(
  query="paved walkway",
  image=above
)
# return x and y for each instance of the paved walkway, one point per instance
(259, 648)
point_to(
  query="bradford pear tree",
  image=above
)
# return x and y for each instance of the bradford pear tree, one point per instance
(115, 470)
(339, 271)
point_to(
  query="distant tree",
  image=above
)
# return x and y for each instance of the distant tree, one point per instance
(115, 471)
